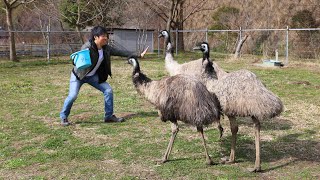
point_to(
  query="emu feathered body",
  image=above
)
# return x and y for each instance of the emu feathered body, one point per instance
(241, 94)
(180, 97)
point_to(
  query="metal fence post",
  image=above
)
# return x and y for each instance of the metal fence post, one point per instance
(48, 42)
(177, 41)
(158, 41)
(240, 39)
(287, 46)
(206, 34)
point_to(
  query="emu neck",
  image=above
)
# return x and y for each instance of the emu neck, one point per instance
(141, 83)
(209, 70)
(136, 70)
(205, 55)
(167, 40)
(170, 64)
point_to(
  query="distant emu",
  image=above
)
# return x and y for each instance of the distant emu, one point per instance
(182, 98)
(241, 94)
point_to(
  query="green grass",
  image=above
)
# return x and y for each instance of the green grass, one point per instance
(33, 145)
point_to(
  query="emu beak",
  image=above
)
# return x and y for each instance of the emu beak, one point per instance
(196, 48)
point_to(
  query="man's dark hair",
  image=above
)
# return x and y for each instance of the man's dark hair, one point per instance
(98, 31)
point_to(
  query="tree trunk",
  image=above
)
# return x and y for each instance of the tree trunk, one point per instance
(239, 46)
(13, 55)
(170, 16)
(78, 27)
(180, 27)
(79, 34)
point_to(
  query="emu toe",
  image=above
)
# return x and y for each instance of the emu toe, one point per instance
(221, 131)
(226, 160)
(210, 162)
(161, 161)
(164, 161)
(254, 170)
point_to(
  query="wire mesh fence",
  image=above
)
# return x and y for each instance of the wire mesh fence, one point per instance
(286, 43)
(40, 43)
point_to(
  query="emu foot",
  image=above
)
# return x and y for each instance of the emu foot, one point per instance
(161, 161)
(254, 170)
(220, 130)
(210, 162)
(226, 160)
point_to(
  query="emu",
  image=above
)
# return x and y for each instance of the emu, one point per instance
(179, 97)
(240, 93)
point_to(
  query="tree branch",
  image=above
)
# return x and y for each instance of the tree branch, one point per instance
(160, 12)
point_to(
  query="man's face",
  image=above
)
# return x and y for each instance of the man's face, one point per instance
(101, 40)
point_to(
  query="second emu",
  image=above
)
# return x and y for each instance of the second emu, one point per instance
(241, 93)
(180, 98)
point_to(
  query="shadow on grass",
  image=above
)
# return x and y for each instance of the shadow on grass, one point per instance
(126, 116)
(296, 147)
(141, 114)
(33, 63)
(269, 124)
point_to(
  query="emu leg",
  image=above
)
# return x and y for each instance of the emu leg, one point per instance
(209, 161)
(220, 130)
(257, 165)
(174, 131)
(234, 131)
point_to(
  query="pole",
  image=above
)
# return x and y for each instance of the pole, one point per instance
(240, 39)
(177, 41)
(287, 46)
(206, 34)
(158, 44)
(240, 34)
(48, 42)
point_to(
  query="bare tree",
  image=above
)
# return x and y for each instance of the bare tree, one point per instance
(9, 7)
(239, 46)
(175, 12)
(138, 17)
(80, 13)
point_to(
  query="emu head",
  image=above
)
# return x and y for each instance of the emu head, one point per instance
(135, 64)
(204, 47)
(164, 33)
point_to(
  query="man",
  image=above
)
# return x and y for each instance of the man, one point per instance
(95, 75)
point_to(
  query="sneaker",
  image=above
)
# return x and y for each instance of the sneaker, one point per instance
(113, 118)
(65, 122)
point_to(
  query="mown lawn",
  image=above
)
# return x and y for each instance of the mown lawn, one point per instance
(35, 146)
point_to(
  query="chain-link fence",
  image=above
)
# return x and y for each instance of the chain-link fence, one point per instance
(42, 43)
(286, 43)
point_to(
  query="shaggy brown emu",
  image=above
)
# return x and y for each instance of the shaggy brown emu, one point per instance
(180, 97)
(241, 94)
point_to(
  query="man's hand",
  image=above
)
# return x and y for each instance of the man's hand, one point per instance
(144, 52)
